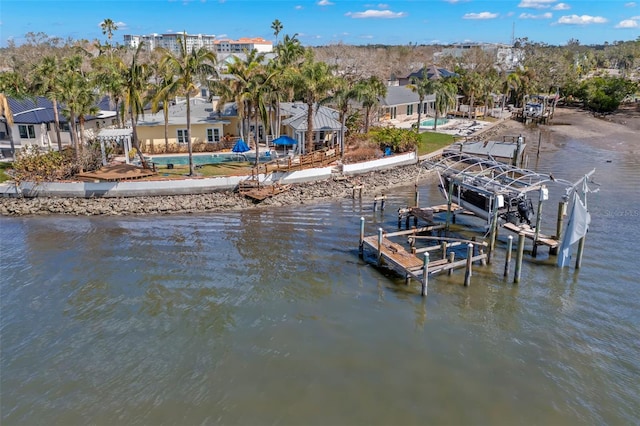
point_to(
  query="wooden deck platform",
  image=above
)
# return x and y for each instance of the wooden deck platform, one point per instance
(529, 233)
(260, 193)
(116, 172)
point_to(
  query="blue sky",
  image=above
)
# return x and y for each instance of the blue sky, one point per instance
(319, 22)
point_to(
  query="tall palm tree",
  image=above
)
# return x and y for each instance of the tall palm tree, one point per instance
(74, 86)
(189, 68)
(471, 85)
(5, 111)
(276, 26)
(108, 27)
(369, 92)
(445, 97)
(47, 83)
(163, 92)
(136, 87)
(110, 74)
(510, 83)
(288, 53)
(312, 81)
(11, 84)
(422, 86)
(341, 98)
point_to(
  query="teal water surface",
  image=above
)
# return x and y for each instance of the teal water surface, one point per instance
(268, 316)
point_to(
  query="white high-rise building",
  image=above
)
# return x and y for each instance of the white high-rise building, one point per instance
(196, 41)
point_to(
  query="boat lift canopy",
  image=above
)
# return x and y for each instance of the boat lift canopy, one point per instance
(488, 176)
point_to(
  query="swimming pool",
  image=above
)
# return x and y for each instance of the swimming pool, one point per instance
(209, 158)
(429, 122)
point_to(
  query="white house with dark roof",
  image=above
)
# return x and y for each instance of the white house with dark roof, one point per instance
(34, 120)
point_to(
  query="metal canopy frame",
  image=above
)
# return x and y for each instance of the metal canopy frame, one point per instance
(488, 175)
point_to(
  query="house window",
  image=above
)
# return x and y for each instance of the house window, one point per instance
(182, 135)
(394, 112)
(27, 131)
(213, 135)
(410, 109)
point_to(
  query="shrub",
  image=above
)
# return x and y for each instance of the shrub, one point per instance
(34, 164)
(399, 140)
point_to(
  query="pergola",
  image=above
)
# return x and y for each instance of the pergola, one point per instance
(118, 136)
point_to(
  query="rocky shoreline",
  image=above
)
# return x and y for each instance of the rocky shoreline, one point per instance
(571, 124)
(374, 183)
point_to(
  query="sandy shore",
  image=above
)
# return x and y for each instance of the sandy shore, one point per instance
(619, 132)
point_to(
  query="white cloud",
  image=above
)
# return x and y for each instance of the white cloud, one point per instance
(628, 23)
(630, 4)
(369, 37)
(456, 1)
(561, 6)
(481, 15)
(547, 15)
(383, 6)
(383, 14)
(536, 4)
(581, 20)
(324, 3)
(298, 7)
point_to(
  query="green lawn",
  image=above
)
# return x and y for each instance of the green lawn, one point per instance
(220, 169)
(430, 141)
(3, 168)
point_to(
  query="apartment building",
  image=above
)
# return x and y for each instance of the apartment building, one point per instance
(196, 41)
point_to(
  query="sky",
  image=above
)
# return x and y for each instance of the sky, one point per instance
(321, 22)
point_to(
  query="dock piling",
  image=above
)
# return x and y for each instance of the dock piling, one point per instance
(562, 211)
(452, 258)
(425, 274)
(380, 231)
(507, 260)
(361, 245)
(468, 272)
(519, 255)
(580, 252)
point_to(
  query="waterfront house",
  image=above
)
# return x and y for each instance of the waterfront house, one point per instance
(34, 120)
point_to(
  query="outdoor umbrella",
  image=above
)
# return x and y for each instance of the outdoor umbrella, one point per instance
(240, 147)
(285, 140)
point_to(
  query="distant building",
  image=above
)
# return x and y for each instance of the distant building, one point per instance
(195, 41)
(506, 55)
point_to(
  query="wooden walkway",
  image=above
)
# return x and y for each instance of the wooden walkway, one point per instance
(261, 193)
(410, 265)
(530, 234)
(115, 173)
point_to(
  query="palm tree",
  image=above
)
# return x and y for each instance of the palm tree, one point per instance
(341, 98)
(110, 77)
(471, 85)
(136, 86)
(164, 91)
(46, 83)
(188, 68)
(312, 81)
(421, 86)
(445, 97)
(369, 92)
(276, 26)
(288, 53)
(11, 84)
(73, 88)
(5, 111)
(108, 27)
(510, 83)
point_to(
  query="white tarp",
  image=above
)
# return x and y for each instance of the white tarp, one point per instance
(577, 227)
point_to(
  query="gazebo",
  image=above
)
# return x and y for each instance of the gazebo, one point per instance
(118, 136)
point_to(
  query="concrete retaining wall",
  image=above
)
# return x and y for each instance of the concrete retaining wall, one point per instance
(189, 186)
(381, 163)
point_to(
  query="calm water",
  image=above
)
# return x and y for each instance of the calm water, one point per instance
(269, 317)
(201, 159)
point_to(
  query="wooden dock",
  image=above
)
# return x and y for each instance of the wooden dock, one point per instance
(407, 263)
(530, 233)
(255, 191)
